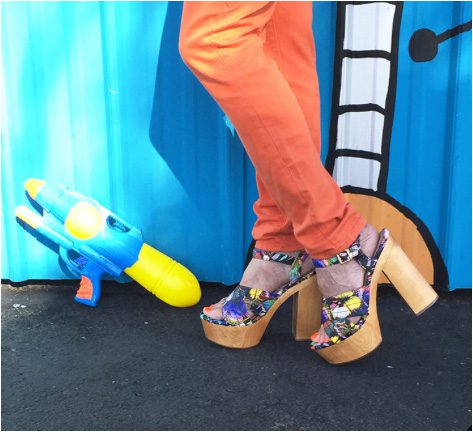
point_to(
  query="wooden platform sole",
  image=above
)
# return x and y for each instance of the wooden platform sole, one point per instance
(306, 319)
(412, 287)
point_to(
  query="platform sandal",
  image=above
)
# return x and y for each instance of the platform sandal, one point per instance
(349, 323)
(247, 311)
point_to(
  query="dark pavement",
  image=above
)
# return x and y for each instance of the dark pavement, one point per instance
(134, 363)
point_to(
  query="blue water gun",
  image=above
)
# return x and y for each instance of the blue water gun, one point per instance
(93, 241)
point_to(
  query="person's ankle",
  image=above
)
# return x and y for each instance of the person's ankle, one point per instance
(338, 278)
(271, 275)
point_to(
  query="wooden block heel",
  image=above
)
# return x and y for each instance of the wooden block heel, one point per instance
(306, 311)
(408, 281)
(248, 336)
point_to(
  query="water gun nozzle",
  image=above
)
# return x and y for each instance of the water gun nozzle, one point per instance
(33, 186)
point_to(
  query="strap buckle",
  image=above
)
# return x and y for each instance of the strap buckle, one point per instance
(346, 256)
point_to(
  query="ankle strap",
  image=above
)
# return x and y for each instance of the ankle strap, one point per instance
(353, 251)
(279, 256)
(294, 262)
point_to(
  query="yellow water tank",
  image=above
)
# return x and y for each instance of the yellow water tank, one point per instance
(165, 278)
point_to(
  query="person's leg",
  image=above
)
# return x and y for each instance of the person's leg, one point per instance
(221, 42)
(289, 40)
(273, 231)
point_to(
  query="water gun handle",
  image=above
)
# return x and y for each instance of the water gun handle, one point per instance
(90, 287)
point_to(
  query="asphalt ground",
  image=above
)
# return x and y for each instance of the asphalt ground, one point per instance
(135, 363)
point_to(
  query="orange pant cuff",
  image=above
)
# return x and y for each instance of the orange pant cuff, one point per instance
(287, 244)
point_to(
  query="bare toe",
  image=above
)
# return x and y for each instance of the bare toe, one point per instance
(214, 311)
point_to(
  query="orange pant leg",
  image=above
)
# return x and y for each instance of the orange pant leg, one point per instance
(289, 40)
(222, 44)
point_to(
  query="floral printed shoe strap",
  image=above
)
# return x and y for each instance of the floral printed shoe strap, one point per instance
(349, 304)
(244, 302)
(345, 313)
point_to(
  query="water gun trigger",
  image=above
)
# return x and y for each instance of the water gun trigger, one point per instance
(75, 266)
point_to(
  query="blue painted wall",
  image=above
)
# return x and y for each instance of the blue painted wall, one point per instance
(430, 157)
(97, 97)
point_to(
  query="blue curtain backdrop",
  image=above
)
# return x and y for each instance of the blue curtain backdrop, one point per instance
(95, 95)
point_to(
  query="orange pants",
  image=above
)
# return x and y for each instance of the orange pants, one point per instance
(257, 60)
